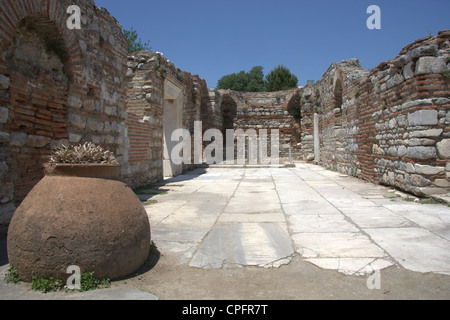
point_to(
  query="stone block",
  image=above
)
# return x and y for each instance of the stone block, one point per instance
(5, 82)
(392, 151)
(428, 170)
(443, 148)
(4, 137)
(430, 65)
(421, 142)
(4, 112)
(17, 139)
(441, 101)
(74, 138)
(408, 71)
(88, 105)
(77, 120)
(423, 118)
(35, 141)
(421, 153)
(95, 125)
(74, 101)
(401, 151)
(442, 183)
(430, 50)
(430, 133)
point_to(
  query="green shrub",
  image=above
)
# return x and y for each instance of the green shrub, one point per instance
(12, 276)
(88, 282)
(46, 285)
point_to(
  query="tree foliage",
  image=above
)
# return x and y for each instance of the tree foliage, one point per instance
(252, 81)
(278, 79)
(134, 43)
(281, 78)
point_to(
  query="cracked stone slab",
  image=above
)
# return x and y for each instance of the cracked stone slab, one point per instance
(320, 223)
(244, 244)
(415, 249)
(309, 207)
(435, 218)
(376, 217)
(253, 203)
(336, 245)
(352, 266)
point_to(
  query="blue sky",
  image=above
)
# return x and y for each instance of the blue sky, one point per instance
(213, 38)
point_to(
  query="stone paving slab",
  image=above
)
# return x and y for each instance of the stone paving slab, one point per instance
(415, 249)
(336, 245)
(230, 218)
(328, 223)
(376, 217)
(243, 244)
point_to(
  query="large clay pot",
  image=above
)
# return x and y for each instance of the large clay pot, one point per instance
(79, 215)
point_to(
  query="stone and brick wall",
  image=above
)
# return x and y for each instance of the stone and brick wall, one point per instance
(57, 86)
(393, 124)
(263, 110)
(146, 76)
(389, 125)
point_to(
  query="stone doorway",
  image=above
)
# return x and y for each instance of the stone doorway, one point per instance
(172, 120)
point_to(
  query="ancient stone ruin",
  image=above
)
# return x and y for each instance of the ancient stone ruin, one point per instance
(388, 125)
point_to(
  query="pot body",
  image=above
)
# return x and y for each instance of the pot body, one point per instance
(97, 224)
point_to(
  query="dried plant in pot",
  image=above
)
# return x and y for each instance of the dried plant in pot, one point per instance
(79, 214)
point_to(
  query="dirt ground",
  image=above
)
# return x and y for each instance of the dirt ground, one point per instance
(298, 280)
(168, 280)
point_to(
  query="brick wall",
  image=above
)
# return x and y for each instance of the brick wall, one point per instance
(57, 86)
(144, 153)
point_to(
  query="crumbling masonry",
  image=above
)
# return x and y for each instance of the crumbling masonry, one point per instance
(389, 125)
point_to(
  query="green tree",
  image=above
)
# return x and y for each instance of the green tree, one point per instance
(252, 81)
(256, 81)
(281, 78)
(135, 44)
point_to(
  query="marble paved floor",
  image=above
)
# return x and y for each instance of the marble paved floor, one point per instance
(263, 217)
